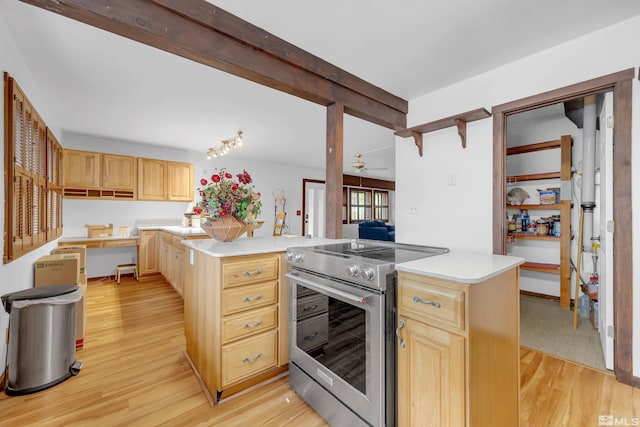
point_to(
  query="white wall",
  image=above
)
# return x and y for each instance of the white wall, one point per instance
(18, 275)
(461, 216)
(266, 177)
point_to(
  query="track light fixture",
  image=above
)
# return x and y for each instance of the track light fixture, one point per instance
(225, 146)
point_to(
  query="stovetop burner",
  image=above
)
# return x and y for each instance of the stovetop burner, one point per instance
(380, 251)
(364, 262)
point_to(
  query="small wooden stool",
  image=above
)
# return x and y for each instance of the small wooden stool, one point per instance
(125, 267)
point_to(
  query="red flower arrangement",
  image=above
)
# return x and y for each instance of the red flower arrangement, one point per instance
(224, 196)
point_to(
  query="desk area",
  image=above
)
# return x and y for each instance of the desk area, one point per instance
(100, 242)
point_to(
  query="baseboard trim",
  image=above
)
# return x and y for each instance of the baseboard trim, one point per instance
(535, 294)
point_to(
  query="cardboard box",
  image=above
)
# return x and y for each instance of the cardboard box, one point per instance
(74, 249)
(99, 230)
(547, 197)
(58, 269)
(81, 313)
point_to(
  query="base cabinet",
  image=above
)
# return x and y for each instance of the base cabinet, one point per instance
(171, 258)
(235, 315)
(458, 351)
(430, 377)
(148, 252)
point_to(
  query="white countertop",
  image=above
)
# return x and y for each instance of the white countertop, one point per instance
(253, 245)
(175, 229)
(461, 266)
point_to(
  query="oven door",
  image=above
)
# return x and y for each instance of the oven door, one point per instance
(336, 337)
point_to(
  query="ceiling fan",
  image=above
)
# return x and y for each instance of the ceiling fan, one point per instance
(360, 166)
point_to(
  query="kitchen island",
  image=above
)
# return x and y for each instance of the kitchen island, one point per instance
(236, 310)
(458, 326)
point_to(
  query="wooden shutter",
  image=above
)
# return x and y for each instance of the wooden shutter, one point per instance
(54, 187)
(33, 208)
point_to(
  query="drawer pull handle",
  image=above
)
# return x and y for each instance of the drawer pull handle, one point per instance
(252, 273)
(310, 307)
(421, 301)
(252, 359)
(311, 336)
(249, 299)
(400, 326)
(252, 325)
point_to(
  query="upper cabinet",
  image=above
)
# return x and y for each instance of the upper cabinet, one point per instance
(152, 179)
(81, 169)
(91, 175)
(118, 172)
(180, 181)
(163, 180)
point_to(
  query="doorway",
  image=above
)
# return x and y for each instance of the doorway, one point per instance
(621, 85)
(560, 158)
(313, 207)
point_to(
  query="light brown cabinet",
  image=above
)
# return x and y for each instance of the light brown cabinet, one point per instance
(92, 175)
(235, 319)
(180, 181)
(148, 252)
(458, 351)
(171, 258)
(430, 377)
(118, 172)
(81, 169)
(163, 180)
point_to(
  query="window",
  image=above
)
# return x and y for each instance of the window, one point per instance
(345, 203)
(33, 208)
(366, 204)
(381, 205)
(360, 205)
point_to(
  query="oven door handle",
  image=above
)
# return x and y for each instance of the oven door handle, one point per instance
(328, 290)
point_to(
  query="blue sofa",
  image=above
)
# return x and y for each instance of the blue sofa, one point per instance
(377, 230)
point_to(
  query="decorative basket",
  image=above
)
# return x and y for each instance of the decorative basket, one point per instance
(225, 229)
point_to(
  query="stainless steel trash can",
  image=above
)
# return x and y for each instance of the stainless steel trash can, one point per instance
(41, 351)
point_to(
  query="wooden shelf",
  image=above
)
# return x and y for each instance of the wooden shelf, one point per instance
(531, 236)
(533, 177)
(563, 207)
(541, 267)
(553, 207)
(531, 148)
(459, 120)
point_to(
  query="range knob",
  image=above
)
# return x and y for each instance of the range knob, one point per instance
(289, 256)
(367, 274)
(298, 257)
(352, 270)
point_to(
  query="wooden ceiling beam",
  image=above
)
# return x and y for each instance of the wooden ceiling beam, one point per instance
(199, 31)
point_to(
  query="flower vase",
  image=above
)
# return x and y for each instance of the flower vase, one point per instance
(225, 228)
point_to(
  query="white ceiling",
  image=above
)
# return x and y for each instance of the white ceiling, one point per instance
(106, 85)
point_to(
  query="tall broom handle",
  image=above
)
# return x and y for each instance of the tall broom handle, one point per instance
(575, 303)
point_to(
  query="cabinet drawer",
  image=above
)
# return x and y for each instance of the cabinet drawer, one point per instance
(251, 270)
(120, 242)
(243, 298)
(415, 298)
(248, 323)
(248, 357)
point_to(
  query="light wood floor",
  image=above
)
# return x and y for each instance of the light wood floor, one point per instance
(135, 374)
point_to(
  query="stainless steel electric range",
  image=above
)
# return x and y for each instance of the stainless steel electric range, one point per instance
(342, 328)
